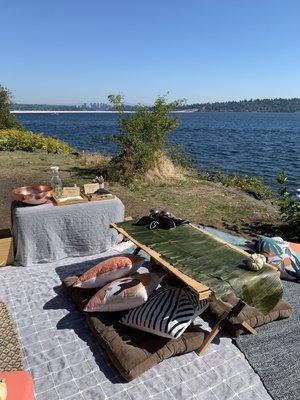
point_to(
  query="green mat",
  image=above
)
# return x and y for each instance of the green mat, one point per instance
(212, 263)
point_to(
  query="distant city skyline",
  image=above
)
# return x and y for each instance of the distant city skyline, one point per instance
(253, 105)
(107, 104)
(68, 52)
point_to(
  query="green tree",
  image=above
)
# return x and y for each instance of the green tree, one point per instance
(143, 136)
(7, 120)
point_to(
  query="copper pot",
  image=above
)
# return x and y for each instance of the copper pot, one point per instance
(36, 194)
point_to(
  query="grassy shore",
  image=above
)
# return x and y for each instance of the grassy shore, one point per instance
(198, 200)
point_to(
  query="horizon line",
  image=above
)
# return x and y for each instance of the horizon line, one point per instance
(134, 104)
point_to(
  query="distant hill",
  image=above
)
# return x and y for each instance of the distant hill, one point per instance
(256, 105)
(252, 105)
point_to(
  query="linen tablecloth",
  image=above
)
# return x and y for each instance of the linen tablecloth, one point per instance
(49, 233)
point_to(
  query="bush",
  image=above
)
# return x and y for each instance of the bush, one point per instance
(143, 138)
(180, 158)
(7, 119)
(253, 185)
(14, 139)
(289, 205)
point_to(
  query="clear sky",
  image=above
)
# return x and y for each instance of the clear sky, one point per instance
(69, 51)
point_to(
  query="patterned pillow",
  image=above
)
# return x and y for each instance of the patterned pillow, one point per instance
(295, 247)
(109, 270)
(167, 313)
(124, 293)
(280, 253)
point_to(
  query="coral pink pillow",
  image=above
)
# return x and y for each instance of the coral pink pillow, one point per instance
(109, 270)
(19, 385)
(124, 293)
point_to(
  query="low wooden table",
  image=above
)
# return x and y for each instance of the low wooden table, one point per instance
(136, 235)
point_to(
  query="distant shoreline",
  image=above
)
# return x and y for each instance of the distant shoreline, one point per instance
(62, 112)
(130, 112)
(83, 112)
(253, 105)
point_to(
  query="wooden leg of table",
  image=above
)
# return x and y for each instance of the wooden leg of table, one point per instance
(249, 328)
(210, 337)
(233, 312)
(244, 324)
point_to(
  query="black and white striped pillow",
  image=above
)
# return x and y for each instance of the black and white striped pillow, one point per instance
(167, 312)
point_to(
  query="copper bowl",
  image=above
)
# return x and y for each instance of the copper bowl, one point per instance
(37, 194)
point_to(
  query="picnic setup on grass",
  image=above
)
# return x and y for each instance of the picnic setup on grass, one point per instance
(96, 305)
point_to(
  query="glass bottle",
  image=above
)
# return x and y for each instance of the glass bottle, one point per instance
(101, 182)
(56, 182)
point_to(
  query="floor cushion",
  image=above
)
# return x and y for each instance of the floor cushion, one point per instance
(131, 351)
(248, 314)
(10, 349)
(19, 385)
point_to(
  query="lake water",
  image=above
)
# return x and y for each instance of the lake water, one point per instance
(247, 143)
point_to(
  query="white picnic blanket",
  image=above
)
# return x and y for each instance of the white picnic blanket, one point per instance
(67, 363)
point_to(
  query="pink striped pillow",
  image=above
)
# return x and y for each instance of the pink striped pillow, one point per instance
(124, 293)
(108, 270)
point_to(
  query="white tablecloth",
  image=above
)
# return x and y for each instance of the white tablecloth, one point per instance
(49, 233)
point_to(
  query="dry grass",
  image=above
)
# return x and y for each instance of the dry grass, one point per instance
(166, 187)
(165, 170)
(93, 159)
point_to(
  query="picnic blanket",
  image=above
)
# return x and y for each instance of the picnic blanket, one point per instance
(275, 355)
(66, 363)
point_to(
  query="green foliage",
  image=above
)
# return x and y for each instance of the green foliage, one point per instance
(252, 105)
(7, 120)
(143, 138)
(179, 157)
(14, 139)
(253, 185)
(289, 205)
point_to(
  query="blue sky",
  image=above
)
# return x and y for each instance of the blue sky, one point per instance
(67, 52)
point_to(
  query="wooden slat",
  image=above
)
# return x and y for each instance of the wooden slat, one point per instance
(203, 290)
